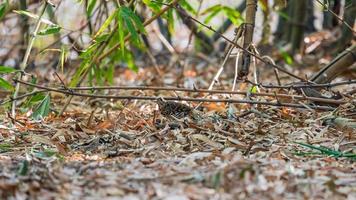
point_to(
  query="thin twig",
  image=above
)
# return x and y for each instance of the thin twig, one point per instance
(128, 97)
(333, 101)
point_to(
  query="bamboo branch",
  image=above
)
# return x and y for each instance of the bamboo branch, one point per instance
(249, 25)
(26, 57)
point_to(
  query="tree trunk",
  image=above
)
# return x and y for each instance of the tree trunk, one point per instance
(299, 15)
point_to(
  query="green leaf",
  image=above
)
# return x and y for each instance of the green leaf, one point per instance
(33, 81)
(286, 57)
(34, 16)
(211, 9)
(47, 154)
(156, 7)
(283, 15)
(3, 7)
(42, 110)
(89, 52)
(78, 74)
(214, 10)
(110, 74)
(131, 62)
(90, 7)
(187, 6)
(63, 58)
(5, 147)
(23, 168)
(132, 30)
(102, 38)
(35, 99)
(98, 72)
(253, 89)
(170, 20)
(133, 23)
(5, 84)
(137, 21)
(106, 23)
(121, 32)
(50, 30)
(6, 70)
(233, 15)
(328, 151)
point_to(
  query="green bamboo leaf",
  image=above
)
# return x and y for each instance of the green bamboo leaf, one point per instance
(89, 52)
(133, 25)
(211, 9)
(98, 72)
(106, 23)
(187, 6)
(90, 7)
(170, 20)
(6, 70)
(131, 62)
(283, 15)
(5, 84)
(233, 15)
(23, 168)
(3, 7)
(78, 74)
(63, 58)
(50, 30)
(129, 15)
(102, 38)
(121, 29)
(132, 30)
(153, 5)
(110, 74)
(34, 99)
(42, 110)
(34, 16)
(138, 23)
(211, 12)
(5, 147)
(253, 89)
(286, 57)
(328, 151)
(211, 16)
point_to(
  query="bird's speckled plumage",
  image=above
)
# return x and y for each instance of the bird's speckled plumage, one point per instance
(171, 108)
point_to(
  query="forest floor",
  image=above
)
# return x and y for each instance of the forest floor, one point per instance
(104, 149)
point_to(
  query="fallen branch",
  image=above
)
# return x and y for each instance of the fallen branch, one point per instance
(210, 92)
(306, 85)
(128, 97)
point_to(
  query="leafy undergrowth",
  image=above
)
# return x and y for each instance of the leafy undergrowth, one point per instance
(127, 149)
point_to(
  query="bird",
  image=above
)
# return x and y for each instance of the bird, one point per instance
(173, 109)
